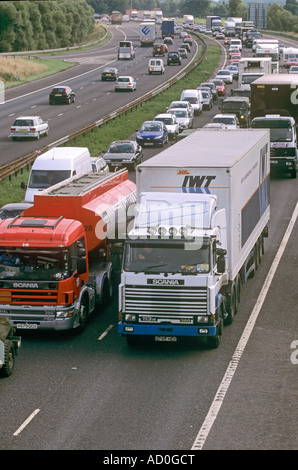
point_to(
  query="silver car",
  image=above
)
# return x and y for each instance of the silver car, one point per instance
(170, 122)
(29, 126)
(181, 104)
(125, 83)
(185, 120)
(225, 75)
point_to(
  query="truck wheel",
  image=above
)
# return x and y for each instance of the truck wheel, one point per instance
(294, 174)
(83, 315)
(9, 359)
(232, 308)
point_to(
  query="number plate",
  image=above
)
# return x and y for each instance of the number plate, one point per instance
(26, 326)
(166, 338)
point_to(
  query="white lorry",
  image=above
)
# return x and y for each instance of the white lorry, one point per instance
(202, 213)
(267, 48)
(147, 33)
(251, 68)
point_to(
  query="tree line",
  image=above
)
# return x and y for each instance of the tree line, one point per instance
(280, 18)
(39, 25)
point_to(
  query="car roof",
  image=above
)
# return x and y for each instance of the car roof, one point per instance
(27, 117)
(225, 115)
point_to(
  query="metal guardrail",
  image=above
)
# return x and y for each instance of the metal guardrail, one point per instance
(11, 168)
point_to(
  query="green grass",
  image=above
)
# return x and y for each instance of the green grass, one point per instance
(124, 126)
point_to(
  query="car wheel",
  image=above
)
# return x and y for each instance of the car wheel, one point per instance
(38, 136)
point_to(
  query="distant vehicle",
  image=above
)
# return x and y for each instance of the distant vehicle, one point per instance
(109, 73)
(158, 49)
(235, 57)
(215, 125)
(230, 120)
(219, 36)
(168, 40)
(220, 86)
(234, 50)
(125, 83)
(174, 58)
(188, 40)
(293, 69)
(29, 126)
(99, 165)
(207, 98)
(183, 52)
(234, 70)
(62, 94)
(153, 133)
(170, 122)
(13, 209)
(185, 120)
(183, 105)
(156, 66)
(212, 87)
(185, 46)
(123, 153)
(225, 75)
(291, 61)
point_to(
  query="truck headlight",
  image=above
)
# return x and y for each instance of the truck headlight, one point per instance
(130, 317)
(202, 318)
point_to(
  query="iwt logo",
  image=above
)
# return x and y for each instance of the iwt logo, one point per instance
(145, 30)
(197, 184)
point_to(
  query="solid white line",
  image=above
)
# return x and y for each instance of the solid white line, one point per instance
(25, 423)
(105, 332)
(223, 388)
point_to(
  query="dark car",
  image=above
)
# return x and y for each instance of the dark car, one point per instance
(123, 153)
(174, 58)
(152, 133)
(109, 73)
(239, 106)
(62, 94)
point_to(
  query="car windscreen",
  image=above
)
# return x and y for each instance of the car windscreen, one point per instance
(23, 122)
(46, 178)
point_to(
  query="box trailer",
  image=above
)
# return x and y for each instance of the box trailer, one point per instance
(203, 209)
(147, 33)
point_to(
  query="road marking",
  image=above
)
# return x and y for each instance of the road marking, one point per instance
(26, 422)
(105, 332)
(229, 374)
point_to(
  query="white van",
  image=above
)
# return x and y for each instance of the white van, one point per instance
(236, 42)
(195, 99)
(56, 165)
(156, 66)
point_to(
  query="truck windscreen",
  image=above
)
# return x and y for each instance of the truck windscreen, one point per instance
(17, 263)
(165, 257)
(277, 134)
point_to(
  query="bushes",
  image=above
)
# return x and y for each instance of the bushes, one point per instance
(41, 25)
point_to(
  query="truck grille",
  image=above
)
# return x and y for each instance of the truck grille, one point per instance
(28, 297)
(165, 300)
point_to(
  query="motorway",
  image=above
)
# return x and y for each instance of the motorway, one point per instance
(92, 392)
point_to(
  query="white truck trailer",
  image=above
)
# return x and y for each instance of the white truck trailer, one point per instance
(202, 214)
(251, 68)
(147, 33)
